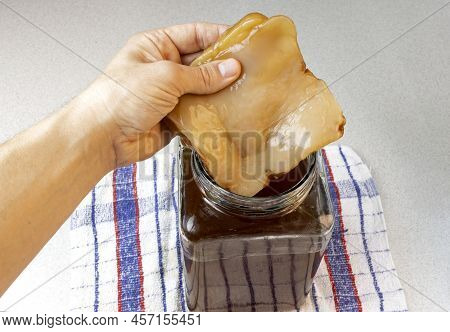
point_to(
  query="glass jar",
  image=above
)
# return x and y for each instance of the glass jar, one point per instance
(252, 253)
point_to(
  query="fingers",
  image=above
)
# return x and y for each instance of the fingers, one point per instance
(170, 43)
(194, 37)
(208, 78)
(188, 58)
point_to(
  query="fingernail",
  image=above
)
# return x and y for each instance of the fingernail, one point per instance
(229, 68)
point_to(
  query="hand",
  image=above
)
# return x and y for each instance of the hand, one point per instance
(143, 82)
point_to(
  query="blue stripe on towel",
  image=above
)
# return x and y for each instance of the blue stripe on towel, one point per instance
(248, 277)
(271, 278)
(339, 265)
(178, 245)
(363, 232)
(292, 272)
(314, 297)
(125, 211)
(205, 283)
(96, 255)
(225, 278)
(366, 189)
(158, 237)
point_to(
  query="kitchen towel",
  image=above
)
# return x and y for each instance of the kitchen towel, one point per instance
(127, 253)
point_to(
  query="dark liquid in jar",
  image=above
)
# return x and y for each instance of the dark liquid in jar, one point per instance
(235, 263)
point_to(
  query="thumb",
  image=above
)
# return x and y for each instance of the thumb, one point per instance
(210, 77)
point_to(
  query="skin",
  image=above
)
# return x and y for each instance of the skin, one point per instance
(114, 122)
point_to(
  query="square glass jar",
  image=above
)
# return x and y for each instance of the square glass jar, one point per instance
(251, 253)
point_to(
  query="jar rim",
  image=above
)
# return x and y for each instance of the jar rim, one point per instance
(254, 206)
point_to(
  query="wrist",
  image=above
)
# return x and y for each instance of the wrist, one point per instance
(96, 128)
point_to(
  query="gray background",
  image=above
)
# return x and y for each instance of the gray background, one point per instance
(396, 103)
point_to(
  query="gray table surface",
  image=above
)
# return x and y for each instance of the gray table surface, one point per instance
(389, 61)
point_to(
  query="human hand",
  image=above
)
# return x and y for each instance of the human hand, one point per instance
(143, 82)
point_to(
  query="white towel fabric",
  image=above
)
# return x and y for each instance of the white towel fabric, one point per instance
(124, 236)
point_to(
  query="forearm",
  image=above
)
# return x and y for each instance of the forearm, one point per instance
(45, 172)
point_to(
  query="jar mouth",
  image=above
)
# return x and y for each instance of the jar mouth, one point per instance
(262, 207)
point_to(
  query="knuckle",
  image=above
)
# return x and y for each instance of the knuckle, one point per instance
(161, 38)
(207, 76)
(135, 38)
(169, 69)
(170, 74)
(198, 35)
(202, 35)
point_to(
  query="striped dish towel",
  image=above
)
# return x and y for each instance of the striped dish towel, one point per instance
(127, 254)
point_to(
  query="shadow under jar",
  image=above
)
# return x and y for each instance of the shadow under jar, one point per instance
(252, 253)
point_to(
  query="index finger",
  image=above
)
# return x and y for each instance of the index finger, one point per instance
(194, 37)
